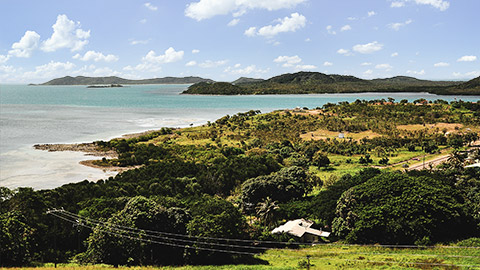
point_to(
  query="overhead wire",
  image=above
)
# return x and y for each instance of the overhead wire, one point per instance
(78, 219)
(250, 241)
(253, 254)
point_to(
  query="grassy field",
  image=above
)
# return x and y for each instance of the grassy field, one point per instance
(338, 257)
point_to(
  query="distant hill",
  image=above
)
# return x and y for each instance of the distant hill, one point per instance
(316, 82)
(81, 80)
(244, 80)
(411, 81)
(216, 88)
(472, 87)
(312, 77)
(472, 84)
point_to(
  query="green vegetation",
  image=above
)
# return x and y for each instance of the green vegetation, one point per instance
(225, 185)
(82, 80)
(316, 83)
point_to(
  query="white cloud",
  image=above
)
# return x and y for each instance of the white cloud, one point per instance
(371, 13)
(397, 4)
(395, 54)
(441, 64)
(327, 64)
(66, 34)
(386, 67)
(4, 58)
(346, 28)
(396, 26)
(169, 56)
(366, 64)
(330, 30)
(287, 24)
(26, 45)
(7, 69)
(343, 51)
(288, 61)
(293, 61)
(252, 69)
(191, 64)
(439, 4)
(136, 42)
(50, 70)
(212, 64)
(93, 71)
(467, 58)
(250, 32)
(467, 75)
(421, 72)
(96, 56)
(233, 22)
(150, 6)
(143, 21)
(305, 67)
(368, 48)
(194, 51)
(307, 40)
(205, 9)
(368, 72)
(352, 18)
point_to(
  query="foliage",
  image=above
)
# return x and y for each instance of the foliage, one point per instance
(394, 208)
(282, 186)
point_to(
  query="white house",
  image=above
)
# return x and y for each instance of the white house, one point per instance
(300, 228)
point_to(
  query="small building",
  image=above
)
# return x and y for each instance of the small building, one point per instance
(341, 135)
(300, 228)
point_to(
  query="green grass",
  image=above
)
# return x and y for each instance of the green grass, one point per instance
(338, 257)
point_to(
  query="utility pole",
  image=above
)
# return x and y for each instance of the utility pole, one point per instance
(308, 262)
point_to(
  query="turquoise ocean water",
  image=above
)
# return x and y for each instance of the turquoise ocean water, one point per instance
(68, 114)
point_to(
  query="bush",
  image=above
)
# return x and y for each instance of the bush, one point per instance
(394, 208)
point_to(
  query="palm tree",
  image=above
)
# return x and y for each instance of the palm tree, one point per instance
(267, 211)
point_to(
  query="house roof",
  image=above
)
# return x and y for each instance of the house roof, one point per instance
(299, 227)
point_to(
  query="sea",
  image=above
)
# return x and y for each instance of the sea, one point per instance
(73, 114)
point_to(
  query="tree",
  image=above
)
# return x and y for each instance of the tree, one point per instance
(320, 160)
(214, 217)
(267, 211)
(383, 161)
(324, 204)
(107, 245)
(15, 239)
(282, 186)
(394, 208)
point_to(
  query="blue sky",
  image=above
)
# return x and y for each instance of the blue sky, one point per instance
(227, 39)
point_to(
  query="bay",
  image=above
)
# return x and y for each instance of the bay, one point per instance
(70, 114)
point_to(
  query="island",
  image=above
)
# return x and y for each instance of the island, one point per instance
(113, 80)
(105, 86)
(320, 83)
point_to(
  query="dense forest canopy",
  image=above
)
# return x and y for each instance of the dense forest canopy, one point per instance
(242, 175)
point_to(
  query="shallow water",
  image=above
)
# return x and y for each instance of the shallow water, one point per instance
(71, 114)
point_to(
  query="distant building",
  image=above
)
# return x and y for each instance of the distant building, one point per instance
(341, 135)
(300, 228)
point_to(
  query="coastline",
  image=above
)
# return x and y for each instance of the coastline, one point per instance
(92, 149)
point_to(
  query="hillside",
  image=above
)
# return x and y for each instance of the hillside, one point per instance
(318, 83)
(81, 80)
(226, 185)
(244, 80)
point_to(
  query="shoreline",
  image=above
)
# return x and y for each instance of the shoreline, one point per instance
(92, 149)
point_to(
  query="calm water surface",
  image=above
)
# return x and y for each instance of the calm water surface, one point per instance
(67, 114)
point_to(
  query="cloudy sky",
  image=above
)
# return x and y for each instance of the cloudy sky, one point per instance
(227, 39)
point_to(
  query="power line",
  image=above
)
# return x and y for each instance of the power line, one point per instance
(249, 241)
(251, 253)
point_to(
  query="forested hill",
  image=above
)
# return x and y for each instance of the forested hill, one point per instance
(81, 80)
(316, 82)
